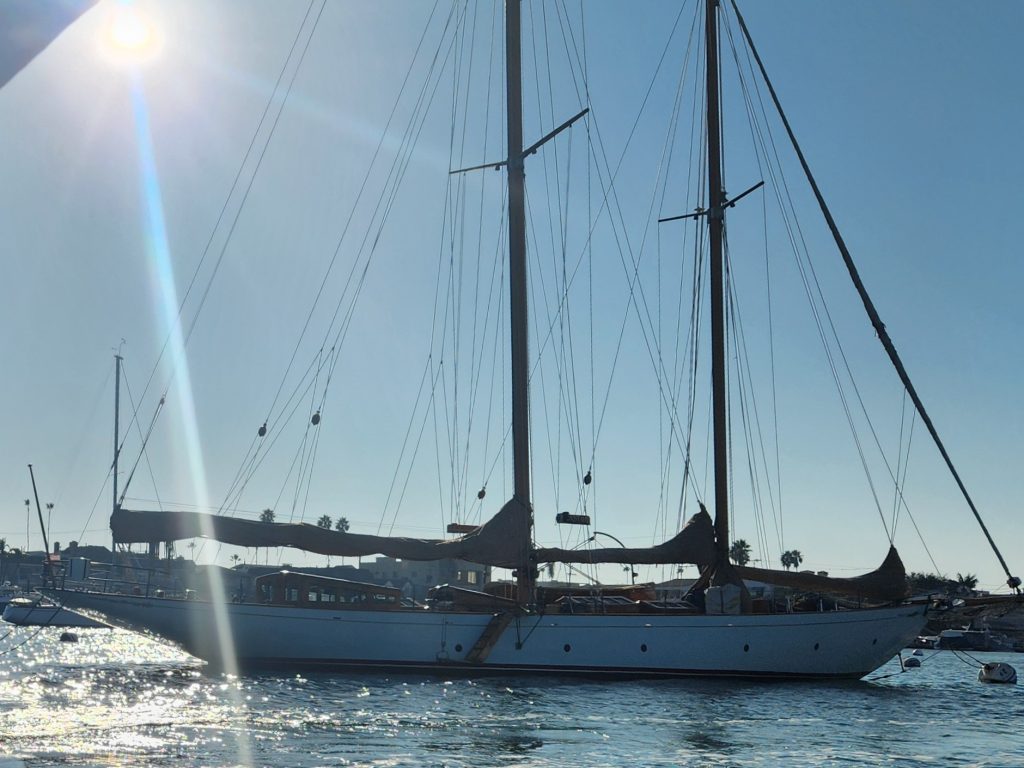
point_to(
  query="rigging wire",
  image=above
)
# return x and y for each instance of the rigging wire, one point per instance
(231, 194)
(143, 451)
(827, 333)
(357, 276)
(883, 336)
(86, 430)
(611, 199)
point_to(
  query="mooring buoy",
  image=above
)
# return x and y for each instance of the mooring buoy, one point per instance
(997, 672)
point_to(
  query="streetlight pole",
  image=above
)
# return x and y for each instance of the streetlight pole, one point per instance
(617, 540)
(28, 524)
(49, 518)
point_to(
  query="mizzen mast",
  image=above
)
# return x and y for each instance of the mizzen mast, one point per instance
(716, 221)
(517, 293)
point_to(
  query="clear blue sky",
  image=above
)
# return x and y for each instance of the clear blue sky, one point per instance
(910, 113)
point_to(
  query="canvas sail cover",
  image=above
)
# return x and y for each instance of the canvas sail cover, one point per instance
(887, 582)
(695, 543)
(498, 542)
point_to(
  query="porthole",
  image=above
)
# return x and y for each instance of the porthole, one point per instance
(566, 647)
(746, 647)
(458, 647)
(875, 641)
(643, 647)
(816, 645)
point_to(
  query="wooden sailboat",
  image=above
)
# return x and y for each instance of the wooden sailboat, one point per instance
(728, 636)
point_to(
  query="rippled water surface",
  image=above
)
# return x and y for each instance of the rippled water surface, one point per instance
(115, 698)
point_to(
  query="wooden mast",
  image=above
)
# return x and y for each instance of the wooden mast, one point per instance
(716, 216)
(518, 296)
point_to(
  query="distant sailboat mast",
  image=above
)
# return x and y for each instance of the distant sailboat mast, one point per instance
(117, 437)
(517, 295)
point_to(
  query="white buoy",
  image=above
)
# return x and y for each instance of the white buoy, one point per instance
(912, 662)
(997, 672)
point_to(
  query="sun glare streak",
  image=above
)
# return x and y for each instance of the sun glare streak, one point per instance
(158, 252)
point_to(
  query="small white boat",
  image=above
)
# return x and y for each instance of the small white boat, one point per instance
(8, 593)
(40, 612)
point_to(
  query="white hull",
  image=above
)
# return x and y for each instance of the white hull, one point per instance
(836, 644)
(46, 616)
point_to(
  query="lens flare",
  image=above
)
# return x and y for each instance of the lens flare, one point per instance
(130, 35)
(166, 299)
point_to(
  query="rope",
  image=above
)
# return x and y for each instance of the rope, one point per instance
(31, 637)
(902, 669)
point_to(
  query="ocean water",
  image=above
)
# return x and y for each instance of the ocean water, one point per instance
(121, 699)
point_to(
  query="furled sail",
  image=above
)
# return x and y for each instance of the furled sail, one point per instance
(695, 543)
(495, 543)
(887, 582)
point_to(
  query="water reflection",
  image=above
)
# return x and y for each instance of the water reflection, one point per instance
(121, 699)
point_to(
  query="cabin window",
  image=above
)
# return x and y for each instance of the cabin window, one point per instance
(291, 595)
(313, 596)
(472, 577)
(327, 596)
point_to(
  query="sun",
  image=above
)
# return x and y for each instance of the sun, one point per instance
(129, 30)
(130, 35)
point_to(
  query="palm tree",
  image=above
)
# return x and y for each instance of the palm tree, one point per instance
(966, 581)
(16, 553)
(739, 552)
(792, 559)
(341, 526)
(266, 516)
(325, 522)
(235, 559)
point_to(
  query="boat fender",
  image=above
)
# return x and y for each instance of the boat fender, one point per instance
(912, 663)
(68, 637)
(997, 672)
(919, 652)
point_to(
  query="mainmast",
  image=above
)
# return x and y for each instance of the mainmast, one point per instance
(716, 220)
(517, 294)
